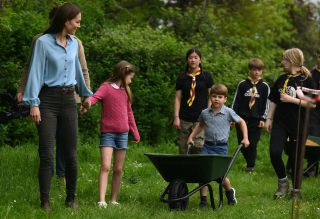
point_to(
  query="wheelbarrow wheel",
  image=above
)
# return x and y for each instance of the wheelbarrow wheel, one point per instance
(178, 189)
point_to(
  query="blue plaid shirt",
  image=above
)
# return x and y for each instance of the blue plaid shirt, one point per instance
(217, 125)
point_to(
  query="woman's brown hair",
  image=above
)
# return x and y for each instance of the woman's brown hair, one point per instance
(61, 15)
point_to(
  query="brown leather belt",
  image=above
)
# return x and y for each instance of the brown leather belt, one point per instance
(211, 143)
(61, 90)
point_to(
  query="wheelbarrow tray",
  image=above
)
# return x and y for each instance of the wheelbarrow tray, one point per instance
(313, 147)
(193, 168)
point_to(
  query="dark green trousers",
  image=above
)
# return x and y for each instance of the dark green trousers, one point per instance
(58, 112)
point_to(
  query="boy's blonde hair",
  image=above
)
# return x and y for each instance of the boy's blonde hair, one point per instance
(120, 71)
(295, 57)
(219, 89)
(255, 63)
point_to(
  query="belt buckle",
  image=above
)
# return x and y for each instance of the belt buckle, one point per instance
(64, 90)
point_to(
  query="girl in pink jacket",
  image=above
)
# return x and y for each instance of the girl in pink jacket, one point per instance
(116, 121)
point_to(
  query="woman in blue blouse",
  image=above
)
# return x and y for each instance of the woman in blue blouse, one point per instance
(54, 74)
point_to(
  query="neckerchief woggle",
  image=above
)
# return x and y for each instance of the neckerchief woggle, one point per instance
(193, 86)
(252, 100)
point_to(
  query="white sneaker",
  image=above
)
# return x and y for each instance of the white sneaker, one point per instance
(114, 203)
(102, 204)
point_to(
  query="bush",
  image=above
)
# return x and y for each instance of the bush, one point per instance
(226, 38)
(158, 56)
(17, 29)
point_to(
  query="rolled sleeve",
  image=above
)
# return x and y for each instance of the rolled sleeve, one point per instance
(36, 74)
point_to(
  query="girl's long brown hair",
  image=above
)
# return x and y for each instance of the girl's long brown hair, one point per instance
(120, 71)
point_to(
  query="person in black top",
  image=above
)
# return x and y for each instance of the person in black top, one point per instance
(283, 116)
(314, 123)
(251, 103)
(192, 89)
(192, 92)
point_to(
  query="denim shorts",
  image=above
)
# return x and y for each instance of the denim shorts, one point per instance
(223, 149)
(117, 140)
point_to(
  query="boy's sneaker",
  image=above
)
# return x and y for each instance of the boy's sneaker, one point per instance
(203, 201)
(203, 204)
(283, 188)
(102, 204)
(46, 206)
(231, 196)
(310, 172)
(114, 203)
(249, 169)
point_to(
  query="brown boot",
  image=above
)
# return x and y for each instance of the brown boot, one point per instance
(71, 202)
(45, 205)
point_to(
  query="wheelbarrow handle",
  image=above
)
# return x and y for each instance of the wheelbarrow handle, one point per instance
(232, 161)
(188, 147)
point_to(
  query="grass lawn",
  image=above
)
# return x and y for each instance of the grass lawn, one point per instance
(141, 187)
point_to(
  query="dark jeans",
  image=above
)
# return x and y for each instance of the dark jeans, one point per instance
(58, 111)
(254, 133)
(60, 163)
(278, 140)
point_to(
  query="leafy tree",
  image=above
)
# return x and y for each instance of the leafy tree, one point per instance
(154, 35)
(305, 17)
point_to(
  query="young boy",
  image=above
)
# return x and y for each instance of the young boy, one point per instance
(215, 121)
(251, 103)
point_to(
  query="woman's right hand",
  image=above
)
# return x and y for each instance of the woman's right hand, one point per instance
(35, 114)
(19, 97)
(86, 103)
(176, 122)
(268, 125)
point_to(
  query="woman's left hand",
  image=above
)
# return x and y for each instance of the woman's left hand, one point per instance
(83, 110)
(35, 114)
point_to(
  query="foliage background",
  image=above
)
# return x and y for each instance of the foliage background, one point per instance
(154, 35)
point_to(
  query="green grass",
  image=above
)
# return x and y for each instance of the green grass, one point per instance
(142, 186)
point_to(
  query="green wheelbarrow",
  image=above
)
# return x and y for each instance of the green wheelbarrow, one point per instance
(179, 170)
